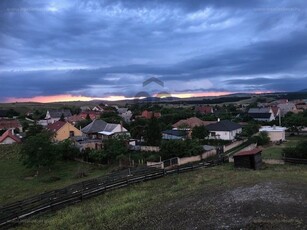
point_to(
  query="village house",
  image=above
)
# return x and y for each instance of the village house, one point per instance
(85, 108)
(275, 133)
(286, 108)
(6, 124)
(301, 105)
(55, 115)
(174, 134)
(261, 114)
(126, 116)
(99, 129)
(82, 116)
(9, 137)
(224, 130)
(63, 130)
(190, 123)
(276, 111)
(149, 114)
(204, 109)
(98, 109)
(124, 113)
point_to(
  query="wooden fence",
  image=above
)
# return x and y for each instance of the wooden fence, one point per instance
(14, 213)
(295, 160)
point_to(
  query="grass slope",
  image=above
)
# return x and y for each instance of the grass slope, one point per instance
(275, 151)
(17, 182)
(152, 204)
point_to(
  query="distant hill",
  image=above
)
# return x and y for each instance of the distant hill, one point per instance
(303, 90)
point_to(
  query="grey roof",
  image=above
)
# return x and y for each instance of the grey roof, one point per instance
(260, 115)
(122, 110)
(95, 126)
(259, 110)
(58, 113)
(224, 125)
(175, 132)
(109, 127)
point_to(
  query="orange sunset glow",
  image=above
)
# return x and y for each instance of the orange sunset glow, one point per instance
(69, 97)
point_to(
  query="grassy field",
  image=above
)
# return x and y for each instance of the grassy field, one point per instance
(17, 181)
(275, 151)
(148, 205)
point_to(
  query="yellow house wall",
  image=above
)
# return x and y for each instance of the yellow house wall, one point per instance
(64, 132)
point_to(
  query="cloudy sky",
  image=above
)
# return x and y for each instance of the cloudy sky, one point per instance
(83, 49)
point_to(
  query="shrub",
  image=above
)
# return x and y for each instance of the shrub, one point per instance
(299, 151)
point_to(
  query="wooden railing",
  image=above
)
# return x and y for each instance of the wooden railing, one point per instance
(12, 214)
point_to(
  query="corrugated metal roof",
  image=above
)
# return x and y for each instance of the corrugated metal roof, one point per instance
(248, 153)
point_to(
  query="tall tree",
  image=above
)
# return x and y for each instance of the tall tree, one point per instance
(200, 132)
(153, 134)
(38, 151)
(62, 117)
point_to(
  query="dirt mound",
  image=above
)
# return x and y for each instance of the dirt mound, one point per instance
(259, 206)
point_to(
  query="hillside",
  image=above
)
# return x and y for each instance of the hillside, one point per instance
(211, 198)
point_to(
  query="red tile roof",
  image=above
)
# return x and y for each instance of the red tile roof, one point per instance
(8, 133)
(82, 116)
(192, 122)
(9, 124)
(204, 109)
(148, 114)
(249, 153)
(275, 110)
(56, 126)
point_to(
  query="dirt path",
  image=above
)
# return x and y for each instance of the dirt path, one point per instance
(271, 205)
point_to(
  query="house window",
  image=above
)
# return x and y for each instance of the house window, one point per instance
(71, 133)
(213, 134)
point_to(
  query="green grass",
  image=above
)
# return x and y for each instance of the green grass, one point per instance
(18, 182)
(275, 151)
(121, 208)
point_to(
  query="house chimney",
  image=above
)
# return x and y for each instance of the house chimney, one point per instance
(13, 132)
(121, 126)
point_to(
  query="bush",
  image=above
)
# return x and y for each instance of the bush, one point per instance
(67, 150)
(179, 148)
(262, 138)
(299, 151)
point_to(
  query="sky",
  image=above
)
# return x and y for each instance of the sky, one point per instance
(84, 49)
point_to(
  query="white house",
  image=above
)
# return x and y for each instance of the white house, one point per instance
(103, 130)
(224, 130)
(8, 137)
(262, 114)
(55, 115)
(276, 133)
(126, 116)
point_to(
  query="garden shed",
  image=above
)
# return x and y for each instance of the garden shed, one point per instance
(248, 159)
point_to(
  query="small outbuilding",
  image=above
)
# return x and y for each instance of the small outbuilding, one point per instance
(275, 133)
(248, 159)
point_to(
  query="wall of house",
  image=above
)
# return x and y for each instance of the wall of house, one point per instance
(119, 129)
(276, 136)
(64, 132)
(171, 137)
(8, 141)
(226, 135)
(150, 148)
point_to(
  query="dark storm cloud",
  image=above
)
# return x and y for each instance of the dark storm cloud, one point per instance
(97, 48)
(286, 83)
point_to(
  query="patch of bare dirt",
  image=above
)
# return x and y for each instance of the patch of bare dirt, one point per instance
(260, 206)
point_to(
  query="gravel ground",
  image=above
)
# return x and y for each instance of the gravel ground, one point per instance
(260, 206)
